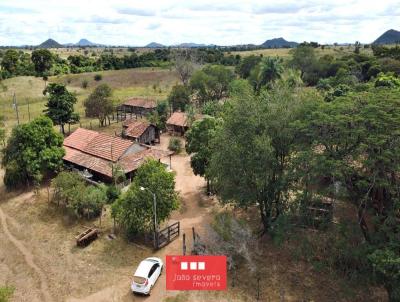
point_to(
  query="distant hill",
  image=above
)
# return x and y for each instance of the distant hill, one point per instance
(389, 37)
(50, 43)
(85, 42)
(154, 45)
(279, 43)
(191, 45)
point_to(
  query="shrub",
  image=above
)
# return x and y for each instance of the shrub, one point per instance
(82, 200)
(5, 293)
(112, 193)
(175, 145)
(85, 84)
(98, 77)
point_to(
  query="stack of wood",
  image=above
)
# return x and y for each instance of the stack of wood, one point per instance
(86, 236)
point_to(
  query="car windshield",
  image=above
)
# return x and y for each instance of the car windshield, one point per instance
(139, 280)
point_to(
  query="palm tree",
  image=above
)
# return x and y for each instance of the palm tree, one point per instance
(266, 72)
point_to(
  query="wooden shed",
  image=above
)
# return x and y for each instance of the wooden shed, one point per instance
(177, 124)
(141, 131)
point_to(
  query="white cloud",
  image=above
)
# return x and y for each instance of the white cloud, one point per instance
(223, 22)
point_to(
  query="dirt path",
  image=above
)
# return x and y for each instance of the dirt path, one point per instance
(29, 259)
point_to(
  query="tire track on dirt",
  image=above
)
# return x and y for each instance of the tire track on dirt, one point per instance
(44, 288)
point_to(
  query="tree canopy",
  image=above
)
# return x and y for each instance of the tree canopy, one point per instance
(42, 60)
(99, 103)
(252, 151)
(33, 151)
(199, 142)
(134, 209)
(60, 105)
(211, 83)
(179, 97)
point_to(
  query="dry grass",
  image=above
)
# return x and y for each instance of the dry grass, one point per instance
(49, 233)
(285, 52)
(146, 82)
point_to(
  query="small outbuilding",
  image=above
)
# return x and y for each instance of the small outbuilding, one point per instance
(141, 131)
(136, 106)
(177, 124)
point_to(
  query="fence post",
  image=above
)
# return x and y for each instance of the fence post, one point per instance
(184, 245)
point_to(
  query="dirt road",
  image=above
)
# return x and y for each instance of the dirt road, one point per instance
(29, 258)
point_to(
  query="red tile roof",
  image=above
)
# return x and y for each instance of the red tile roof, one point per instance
(178, 119)
(98, 144)
(91, 150)
(136, 128)
(140, 102)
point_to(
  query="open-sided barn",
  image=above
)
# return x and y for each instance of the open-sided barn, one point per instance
(98, 155)
(136, 106)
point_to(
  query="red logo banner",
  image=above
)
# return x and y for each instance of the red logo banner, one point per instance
(196, 272)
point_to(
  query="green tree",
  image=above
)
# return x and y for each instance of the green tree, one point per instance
(246, 66)
(199, 144)
(266, 72)
(99, 104)
(252, 151)
(179, 97)
(42, 60)
(304, 59)
(211, 83)
(357, 138)
(10, 61)
(134, 209)
(33, 151)
(160, 115)
(60, 105)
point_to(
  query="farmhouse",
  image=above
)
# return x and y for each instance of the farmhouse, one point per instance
(98, 155)
(137, 107)
(141, 131)
(178, 123)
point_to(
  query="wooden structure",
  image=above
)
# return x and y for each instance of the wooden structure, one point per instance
(168, 234)
(135, 106)
(98, 155)
(86, 237)
(177, 124)
(141, 131)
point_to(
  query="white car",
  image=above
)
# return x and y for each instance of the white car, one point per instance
(146, 275)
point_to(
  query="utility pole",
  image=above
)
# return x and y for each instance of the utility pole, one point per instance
(29, 111)
(15, 105)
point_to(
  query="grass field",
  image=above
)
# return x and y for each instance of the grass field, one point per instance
(144, 82)
(285, 52)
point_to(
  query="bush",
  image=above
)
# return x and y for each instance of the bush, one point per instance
(85, 84)
(85, 201)
(5, 293)
(175, 145)
(112, 193)
(98, 77)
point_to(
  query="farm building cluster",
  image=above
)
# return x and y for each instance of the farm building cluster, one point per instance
(98, 155)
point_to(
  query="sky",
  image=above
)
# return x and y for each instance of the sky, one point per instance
(221, 22)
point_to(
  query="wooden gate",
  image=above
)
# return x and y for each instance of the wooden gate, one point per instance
(166, 235)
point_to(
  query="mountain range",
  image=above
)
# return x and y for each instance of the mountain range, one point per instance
(389, 37)
(50, 43)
